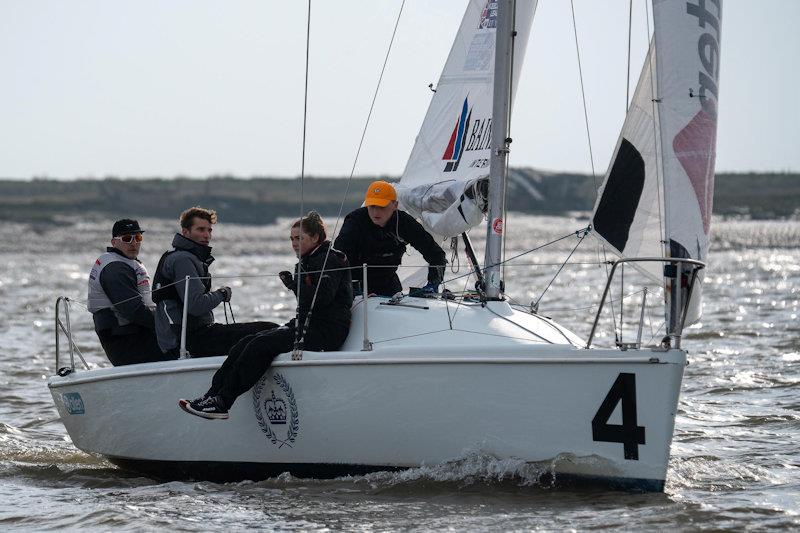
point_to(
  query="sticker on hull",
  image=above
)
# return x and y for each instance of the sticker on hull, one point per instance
(73, 403)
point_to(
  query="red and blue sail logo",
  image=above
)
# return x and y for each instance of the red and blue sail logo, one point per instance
(455, 147)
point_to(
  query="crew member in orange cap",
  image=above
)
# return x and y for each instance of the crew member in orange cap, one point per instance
(378, 233)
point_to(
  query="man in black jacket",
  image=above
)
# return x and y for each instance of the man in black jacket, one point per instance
(377, 234)
(191, 257)
(119, 299)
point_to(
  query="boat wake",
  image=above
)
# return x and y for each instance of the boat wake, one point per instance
(474, 471)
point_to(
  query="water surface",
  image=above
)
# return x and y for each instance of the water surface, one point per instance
(735, 461)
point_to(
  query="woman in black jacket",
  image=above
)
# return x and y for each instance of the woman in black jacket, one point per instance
(324, 281)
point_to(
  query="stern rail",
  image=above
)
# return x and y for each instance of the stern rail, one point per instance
(66, 329)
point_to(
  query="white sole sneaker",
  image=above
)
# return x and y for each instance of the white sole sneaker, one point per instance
(187, 406)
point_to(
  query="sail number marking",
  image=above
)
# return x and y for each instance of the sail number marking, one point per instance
(629, 434)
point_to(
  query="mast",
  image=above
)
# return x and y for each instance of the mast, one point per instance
(500, 147)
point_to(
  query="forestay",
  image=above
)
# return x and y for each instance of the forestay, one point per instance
(656, 199)
(451, 153)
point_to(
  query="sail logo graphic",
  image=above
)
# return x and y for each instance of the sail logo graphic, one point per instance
(488, 16)
(277, 414)
(467, 135)
(695, 144)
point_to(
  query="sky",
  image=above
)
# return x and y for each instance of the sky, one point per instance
(149, 88)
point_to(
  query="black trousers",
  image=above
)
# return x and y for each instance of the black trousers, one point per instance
(140, 347)
(218, 339)
(252, 356)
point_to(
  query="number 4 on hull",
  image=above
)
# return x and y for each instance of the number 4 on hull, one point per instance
(629, 434)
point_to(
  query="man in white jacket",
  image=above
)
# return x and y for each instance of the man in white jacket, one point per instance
(119, 299)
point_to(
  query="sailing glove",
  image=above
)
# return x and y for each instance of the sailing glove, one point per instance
(287, 279)
(226, 293)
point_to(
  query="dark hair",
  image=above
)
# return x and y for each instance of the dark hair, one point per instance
(312, 225)
(188, 216)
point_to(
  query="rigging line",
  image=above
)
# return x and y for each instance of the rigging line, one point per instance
(659, 147)
(621, 297)
(297, 338)
(137, 296)
(461, 301)
(507, 158)
(536, 315)
(524, 307)
(523, 328)
(503, 336)
(355, 160)
(455, 260)
(411, 336)
(654, 335)
(586, 120)
(574, 263)
(535, 305)
(658, 141)
(483, 333)
(583, 94)
(650, 323)
(447, 305)
(413, 266)
(585, 232)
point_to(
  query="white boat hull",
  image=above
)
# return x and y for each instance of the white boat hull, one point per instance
(393, 407)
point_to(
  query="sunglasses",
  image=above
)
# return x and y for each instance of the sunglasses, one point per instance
(127, 239)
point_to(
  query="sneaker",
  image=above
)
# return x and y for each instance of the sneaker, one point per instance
(210, 407)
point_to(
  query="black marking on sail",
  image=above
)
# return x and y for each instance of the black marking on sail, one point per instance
(621, 196)
(676, 249)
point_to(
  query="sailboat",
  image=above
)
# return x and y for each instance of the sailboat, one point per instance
(415, 384)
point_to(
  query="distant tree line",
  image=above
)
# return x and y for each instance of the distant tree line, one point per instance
(262, 200)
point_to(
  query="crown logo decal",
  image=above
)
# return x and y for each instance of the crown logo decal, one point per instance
(276, 410)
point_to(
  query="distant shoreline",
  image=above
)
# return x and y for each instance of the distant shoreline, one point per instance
(263, 200)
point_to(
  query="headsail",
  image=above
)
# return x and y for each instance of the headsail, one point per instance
(628, 214)
(451, 153)
(664, 204)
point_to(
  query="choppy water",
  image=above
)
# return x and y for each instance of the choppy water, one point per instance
(735, 461)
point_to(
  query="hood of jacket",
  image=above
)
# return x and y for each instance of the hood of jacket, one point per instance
(201, 251)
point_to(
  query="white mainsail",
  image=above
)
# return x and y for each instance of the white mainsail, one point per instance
(451, 152)
(657, 195)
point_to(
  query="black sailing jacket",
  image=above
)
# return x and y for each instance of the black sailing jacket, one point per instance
(331, 311)
(364, 242)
